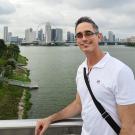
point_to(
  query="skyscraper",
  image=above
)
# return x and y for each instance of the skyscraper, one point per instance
(30, 35)
(111, 36)
(6, 34)
(40, 35)
(70, 37)
(48, 32)
(59, 35)
(53, 35)
(9, 36)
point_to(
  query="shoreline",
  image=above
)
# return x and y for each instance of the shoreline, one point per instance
(15, 100)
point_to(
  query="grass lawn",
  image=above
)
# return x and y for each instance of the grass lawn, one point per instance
(9, 98)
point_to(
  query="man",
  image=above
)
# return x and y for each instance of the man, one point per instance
(112, 83)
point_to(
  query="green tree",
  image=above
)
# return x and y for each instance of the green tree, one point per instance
(8, 71)
(3, 47)
(13, 51)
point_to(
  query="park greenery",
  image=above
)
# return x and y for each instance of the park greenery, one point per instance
(131, 44)
(12, 67)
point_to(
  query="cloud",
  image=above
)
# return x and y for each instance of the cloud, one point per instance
(96, 4)
(117, 16)
(4, 21)
(6, 7)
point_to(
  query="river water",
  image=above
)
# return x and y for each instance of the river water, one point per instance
(54, 69)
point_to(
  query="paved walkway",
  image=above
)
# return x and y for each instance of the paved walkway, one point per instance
(31, 85)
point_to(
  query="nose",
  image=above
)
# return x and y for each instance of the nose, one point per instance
(84, 37)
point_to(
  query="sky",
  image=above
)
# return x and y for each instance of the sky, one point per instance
(110, 15)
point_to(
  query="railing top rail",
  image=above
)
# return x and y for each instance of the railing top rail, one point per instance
(30, 123)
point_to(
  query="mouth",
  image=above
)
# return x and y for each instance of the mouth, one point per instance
(86, 44)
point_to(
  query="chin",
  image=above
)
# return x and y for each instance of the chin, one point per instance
(87, 50)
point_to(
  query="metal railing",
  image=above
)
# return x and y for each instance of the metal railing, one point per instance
(26, 127)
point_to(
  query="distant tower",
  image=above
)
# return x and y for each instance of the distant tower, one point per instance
(6, 34)
(53, 35)
(30, 35)
(40, 35)
(104, 38)
(9, 36)
(110, 36)
(70, 37)
(59, 35)
(48, 32)
(114, 38)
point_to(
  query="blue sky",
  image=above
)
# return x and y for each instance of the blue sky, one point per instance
(117, 16)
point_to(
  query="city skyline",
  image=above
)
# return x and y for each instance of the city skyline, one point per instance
(51, 35)
(19, 15)
(48, 35)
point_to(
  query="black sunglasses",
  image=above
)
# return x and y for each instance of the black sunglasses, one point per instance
(86, 33)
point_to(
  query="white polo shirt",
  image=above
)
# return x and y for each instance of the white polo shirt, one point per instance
(112, 83)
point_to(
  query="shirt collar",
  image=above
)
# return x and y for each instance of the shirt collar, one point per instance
(101, 63)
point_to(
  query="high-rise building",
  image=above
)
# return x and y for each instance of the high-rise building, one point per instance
(9, 36)
(5, 33)
(104, 39)
(131, 39)
(48, 32)
(14, 40)
(114, 37)
(53, 35)
(30, 35)
(40, 35)
(111, 36)
(59, 35)
(70, 37)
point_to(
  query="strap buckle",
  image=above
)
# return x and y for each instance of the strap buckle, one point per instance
(105, 114)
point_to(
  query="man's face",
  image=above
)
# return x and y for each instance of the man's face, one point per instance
(87, 38)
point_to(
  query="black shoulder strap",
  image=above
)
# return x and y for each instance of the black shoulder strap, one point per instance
(100, 108)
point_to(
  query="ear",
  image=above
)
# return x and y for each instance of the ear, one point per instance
(100, 37)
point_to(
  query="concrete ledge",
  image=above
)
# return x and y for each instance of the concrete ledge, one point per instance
(26, 127)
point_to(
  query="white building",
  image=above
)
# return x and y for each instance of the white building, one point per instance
(111, 36)
(30, 35)
(6, 34)
(131, 39)
(48, 32)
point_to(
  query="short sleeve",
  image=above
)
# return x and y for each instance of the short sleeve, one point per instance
(125, 92)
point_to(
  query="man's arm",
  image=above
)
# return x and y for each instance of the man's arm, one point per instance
(127, 118)
(71, 110)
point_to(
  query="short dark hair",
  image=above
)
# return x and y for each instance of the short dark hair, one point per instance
(86, 19)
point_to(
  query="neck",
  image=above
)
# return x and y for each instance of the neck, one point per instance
(94, 57)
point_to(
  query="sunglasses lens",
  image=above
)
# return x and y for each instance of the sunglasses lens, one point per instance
(85, 33)
(79, 35)
(88, 33)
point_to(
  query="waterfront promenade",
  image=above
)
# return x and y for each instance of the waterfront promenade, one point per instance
(30, 85)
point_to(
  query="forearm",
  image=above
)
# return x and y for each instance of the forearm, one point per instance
(127, 118)
(70, 111)
(128, 130)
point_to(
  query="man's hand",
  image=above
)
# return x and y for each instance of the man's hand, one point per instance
(71, 110)
(42, 125)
